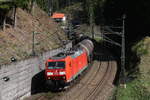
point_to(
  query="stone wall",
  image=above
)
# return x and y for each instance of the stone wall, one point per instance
(23, 78)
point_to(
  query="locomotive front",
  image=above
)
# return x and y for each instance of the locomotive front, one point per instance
(55, 71)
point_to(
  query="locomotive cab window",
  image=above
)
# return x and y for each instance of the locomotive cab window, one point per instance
(56, 65)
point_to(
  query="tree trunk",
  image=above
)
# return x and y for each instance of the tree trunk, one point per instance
(15, 16)
(30, 6)
(52, 7)
(4, 23)
(49, 8)
(91, 15)
(57, 5)
(33, 7)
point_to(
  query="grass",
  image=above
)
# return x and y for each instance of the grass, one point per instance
(134, 91)
(49, 95)
(98, 39)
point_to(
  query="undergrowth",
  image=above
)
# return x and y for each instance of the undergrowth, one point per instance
(134, 91)
(139, 87)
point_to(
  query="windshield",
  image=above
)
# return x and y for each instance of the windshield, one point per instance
(56, 65)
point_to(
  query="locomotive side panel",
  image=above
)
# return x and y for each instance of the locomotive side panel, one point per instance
(68, 68)
(79, 64)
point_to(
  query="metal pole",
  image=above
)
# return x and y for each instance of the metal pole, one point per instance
(33, 47)
(122, 73)
(68, 2)
(52, 6)
(91, 20)
(49, 8)
(122, 45)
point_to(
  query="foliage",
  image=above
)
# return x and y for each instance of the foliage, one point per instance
(140, 48)
(98, 39)
(5, 5)
(94, 8)
(139, 88)
(21, 3)
(43, 4)
(57, 5)
(134, 91)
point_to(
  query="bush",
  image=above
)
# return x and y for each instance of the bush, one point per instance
(140, 48)
(134, 91)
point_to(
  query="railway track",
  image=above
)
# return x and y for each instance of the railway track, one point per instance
(91, 86)
(88, 81)
(96, 84)
(101, 84)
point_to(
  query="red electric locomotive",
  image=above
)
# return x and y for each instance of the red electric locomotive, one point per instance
(63, 68)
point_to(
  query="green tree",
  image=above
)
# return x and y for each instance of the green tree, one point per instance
(22, 3)
(4, 8)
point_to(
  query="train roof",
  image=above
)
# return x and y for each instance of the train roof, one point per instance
(77, 53)
(59, 56)
(71, 53)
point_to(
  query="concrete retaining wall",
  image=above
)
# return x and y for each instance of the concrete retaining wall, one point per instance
(22, 77)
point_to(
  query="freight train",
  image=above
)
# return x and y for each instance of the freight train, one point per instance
(66, 66)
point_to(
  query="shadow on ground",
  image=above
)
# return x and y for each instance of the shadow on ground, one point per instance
(38, 83)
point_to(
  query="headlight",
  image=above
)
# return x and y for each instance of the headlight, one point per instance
(62, 73)
(49, 73)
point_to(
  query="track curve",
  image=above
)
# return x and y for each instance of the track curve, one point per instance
(93, 84)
